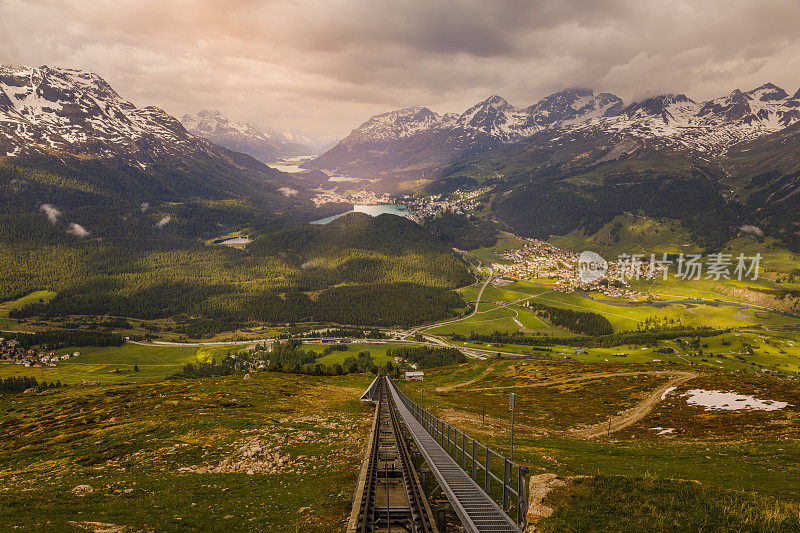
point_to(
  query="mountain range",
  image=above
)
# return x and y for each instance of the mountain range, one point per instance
(572, 161)
(265, 144)
(417, 142)
(74, 124)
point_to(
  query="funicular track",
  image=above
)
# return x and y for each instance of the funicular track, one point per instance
(389, 495)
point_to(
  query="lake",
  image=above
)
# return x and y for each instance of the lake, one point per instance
(372, 210)
(291, 164)
(232, 240)
(342, 178)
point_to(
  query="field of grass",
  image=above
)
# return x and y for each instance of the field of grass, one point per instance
(31, 298)
(377, 350)
(276, 453)
(743, 451)
(505, 242)
(494, 313)
(774, 257)
(625, 504)
(114, 364)
(634, 234)
(771, 351)
(281, 451)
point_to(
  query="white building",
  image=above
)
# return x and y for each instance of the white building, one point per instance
(415, 376)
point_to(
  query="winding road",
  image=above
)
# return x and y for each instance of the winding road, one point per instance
(459, 319)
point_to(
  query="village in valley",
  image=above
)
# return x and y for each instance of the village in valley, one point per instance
(10, 350)
(538, 260)
(420, 208)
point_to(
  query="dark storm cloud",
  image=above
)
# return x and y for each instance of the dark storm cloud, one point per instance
(328, 65)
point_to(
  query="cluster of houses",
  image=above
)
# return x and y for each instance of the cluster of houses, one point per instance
(538, 259)
(424, 208)
(11, 351)
(360, 197)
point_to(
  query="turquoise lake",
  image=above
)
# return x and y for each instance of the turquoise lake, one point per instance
(372, 210)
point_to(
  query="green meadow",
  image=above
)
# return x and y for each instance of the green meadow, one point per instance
(115, 364)
(376, 350)
(501, 305)
(31, 298)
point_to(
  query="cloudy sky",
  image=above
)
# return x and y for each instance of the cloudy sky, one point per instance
(325, 66)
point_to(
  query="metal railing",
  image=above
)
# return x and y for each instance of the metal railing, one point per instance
(502, 479)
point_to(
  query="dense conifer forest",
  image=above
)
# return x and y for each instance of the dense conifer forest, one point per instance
(641, 337)
(151, 259)
(429, 357)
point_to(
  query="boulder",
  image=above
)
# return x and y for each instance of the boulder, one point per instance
(83, 489)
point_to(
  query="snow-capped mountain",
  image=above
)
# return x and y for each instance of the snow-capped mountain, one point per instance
(264, 144)
(395, 125)
(58, 110)
(709, 127)
(670, 120)
(573, 105)
(416, 139)
(73, 116)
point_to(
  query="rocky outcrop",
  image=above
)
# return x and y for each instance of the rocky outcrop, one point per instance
(538, 489)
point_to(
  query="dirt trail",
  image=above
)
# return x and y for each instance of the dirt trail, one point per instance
(634, 414)
(581, 378)
(465, 383)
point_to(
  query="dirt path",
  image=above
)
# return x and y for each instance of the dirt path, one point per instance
(584, 378)
(634, 414)
(465, 383)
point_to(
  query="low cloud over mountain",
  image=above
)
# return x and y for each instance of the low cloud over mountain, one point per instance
(325, 66)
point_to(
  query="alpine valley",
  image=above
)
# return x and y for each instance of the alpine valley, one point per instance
(186, 330)
(119, 209)
(568, 312)
(575, 160)
(266, 145)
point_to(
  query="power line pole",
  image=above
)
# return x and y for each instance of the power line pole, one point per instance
(512, 402)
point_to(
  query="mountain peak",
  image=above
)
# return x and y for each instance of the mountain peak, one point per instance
(46, 109)
(573, 105)
(577, 91)
(210, 113)
(411, 111)
(767, 92)
(496, 101)
(661, 105)
(264, 145)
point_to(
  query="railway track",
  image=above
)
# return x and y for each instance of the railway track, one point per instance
(389, 495)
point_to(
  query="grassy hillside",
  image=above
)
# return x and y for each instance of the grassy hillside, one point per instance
(740, 462)
(275, 453)
(281, 451)
(116, 364)
(630, 233)
(625, 504)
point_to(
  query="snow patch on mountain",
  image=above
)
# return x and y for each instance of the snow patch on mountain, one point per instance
(264, 144)
(672, 119)
(55, 110)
